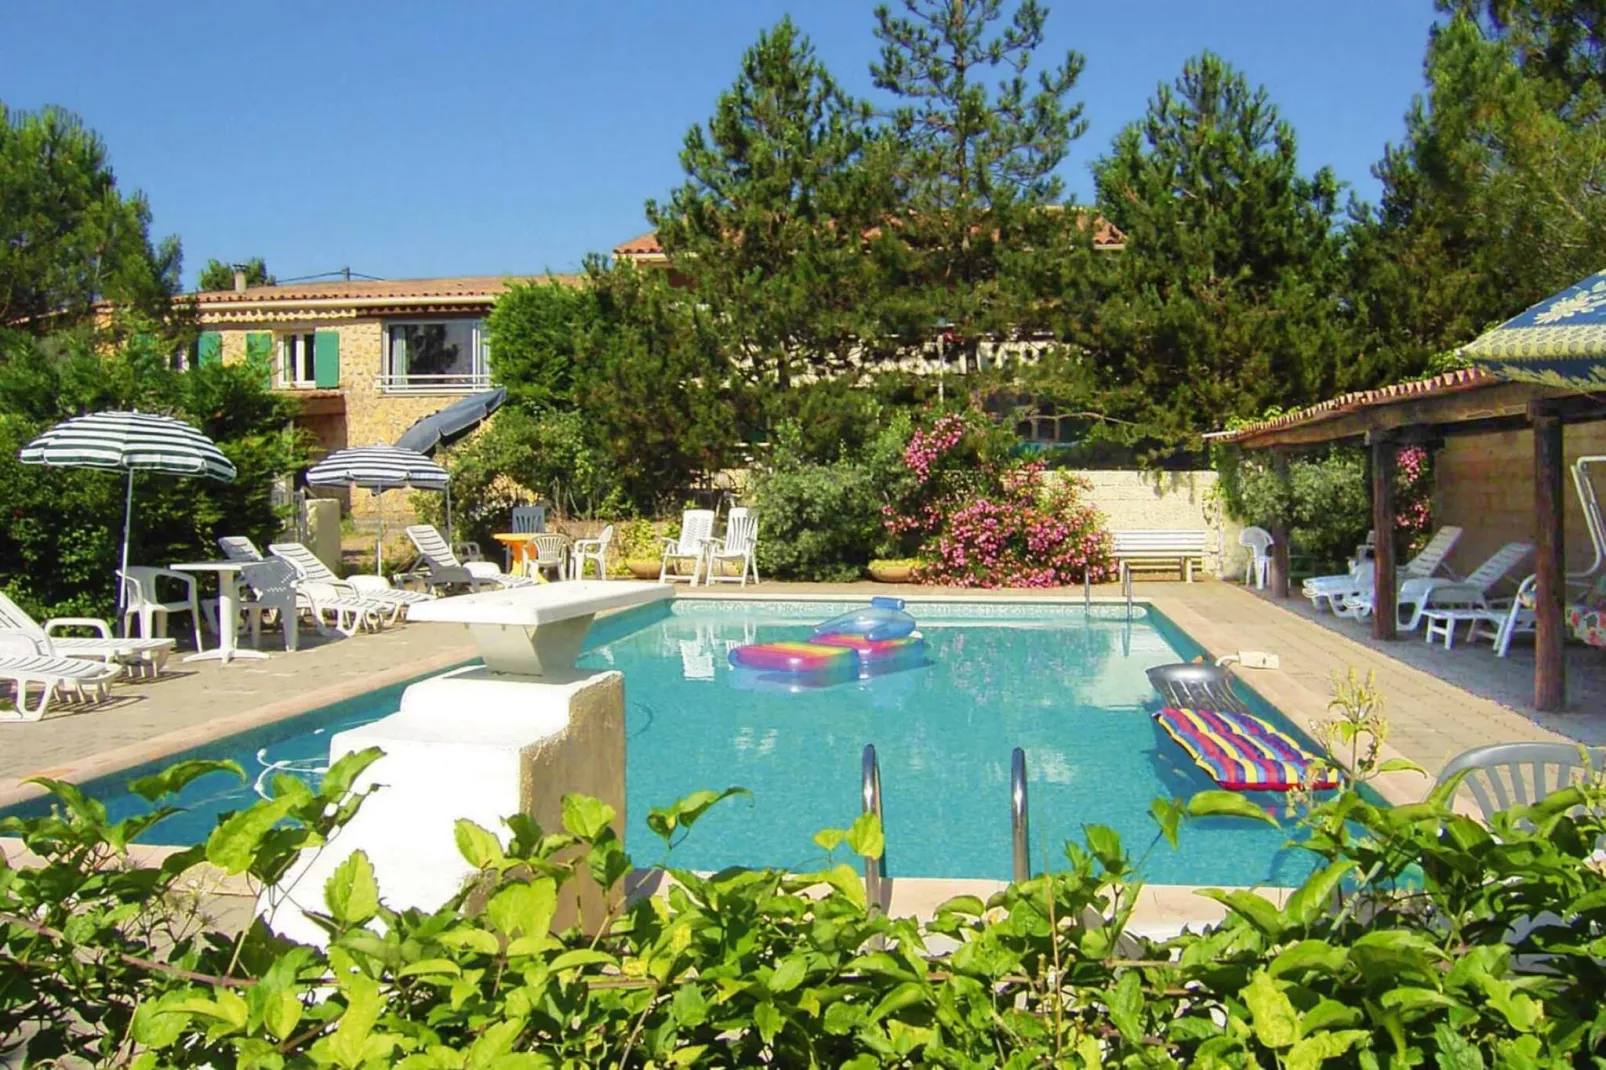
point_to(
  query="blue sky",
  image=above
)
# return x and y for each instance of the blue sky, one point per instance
(411, 139)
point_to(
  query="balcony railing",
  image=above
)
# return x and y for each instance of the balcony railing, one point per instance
(461, 383)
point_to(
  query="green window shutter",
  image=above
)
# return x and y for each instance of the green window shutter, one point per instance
(259, 355)
(209, 348)
(326, 360)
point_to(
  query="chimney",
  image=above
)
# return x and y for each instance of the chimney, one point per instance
(239, 281)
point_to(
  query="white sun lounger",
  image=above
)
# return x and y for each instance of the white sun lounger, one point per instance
(1334, 589)
(24, 665)
(1423, 593)
(149, 655)
(443, 569)
(311, 569)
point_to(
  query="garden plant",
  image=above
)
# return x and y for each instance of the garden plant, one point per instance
(1421, 938)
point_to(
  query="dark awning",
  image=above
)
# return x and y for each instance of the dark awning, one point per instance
(452, 421)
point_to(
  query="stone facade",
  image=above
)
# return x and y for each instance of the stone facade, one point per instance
(364, 414)
(1484, 484)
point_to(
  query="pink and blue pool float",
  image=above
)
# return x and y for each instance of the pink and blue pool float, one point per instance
(856, 644)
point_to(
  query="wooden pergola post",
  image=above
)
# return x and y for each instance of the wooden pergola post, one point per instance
(1550, 666)
(1384, 617)
(1279, 531)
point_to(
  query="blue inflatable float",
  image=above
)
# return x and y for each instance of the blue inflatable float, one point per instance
(857, 644)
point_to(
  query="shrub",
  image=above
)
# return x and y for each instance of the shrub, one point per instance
(822, 521)
(1327, 499)
(1412, 943)
(61, 528)
(981, 519)
(522, 455)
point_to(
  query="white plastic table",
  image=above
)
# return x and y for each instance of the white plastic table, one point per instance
(228, 610)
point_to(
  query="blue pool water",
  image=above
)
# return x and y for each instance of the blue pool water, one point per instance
(1068, 689)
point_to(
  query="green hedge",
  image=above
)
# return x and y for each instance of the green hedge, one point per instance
(1401, 950)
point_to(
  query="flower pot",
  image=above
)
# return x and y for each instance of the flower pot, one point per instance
(886, 573)
(644, 568)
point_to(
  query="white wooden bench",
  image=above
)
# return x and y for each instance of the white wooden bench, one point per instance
(1159, 549)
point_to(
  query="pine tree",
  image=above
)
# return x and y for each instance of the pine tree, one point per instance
(768, 228)
(1493, 200)
(1225, 299)
(68, 236)
(978, 143)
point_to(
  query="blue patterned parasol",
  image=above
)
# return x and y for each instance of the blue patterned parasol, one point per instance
(1559, 342)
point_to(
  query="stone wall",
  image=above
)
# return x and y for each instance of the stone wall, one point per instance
(1169, 501)
(1484, 484)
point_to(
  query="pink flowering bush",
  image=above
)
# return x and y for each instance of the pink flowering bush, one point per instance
(1413, 494)
(977, 521)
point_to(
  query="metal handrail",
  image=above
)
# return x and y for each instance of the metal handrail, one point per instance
(1019, 829)
(1087, 591)
(874, 868)
(1126, 589)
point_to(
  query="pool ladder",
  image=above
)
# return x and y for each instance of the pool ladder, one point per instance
(1020, 825)
(874, 868)
(1020, 831)
(1087, 593)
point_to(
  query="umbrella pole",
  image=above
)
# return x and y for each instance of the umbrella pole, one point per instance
(379, 547)
(122, 571)
(448, 513)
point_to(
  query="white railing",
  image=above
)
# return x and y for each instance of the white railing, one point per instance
(465, 383)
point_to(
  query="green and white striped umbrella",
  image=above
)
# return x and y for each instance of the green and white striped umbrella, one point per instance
(382, 468)
(130, 442)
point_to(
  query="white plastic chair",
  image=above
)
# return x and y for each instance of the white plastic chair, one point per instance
(1504, 775)
(591, 550)
(1422, 593)
(239, 548)
(740, 545)
(550, 551)
(529, 519)
(1334, 589)
(696, 530)
(141, 600)
(1258, 542)
(271, 589)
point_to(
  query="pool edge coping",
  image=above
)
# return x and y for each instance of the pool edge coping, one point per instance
(14, 790)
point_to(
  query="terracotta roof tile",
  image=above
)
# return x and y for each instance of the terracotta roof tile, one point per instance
(1448, 383)
(486, 286)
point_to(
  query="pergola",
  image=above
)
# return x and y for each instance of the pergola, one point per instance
(1425, 413)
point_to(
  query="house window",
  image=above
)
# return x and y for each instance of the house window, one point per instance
(447, 356)
(297, 362)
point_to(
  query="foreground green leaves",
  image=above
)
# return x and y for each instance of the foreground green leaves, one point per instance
(1421, 938)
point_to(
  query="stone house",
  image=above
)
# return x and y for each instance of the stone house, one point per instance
(365, 358)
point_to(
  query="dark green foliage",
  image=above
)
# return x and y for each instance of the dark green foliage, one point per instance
(651, 382)
(217, 275)
(1421, 939)
(768, 228)
(62, 527)
(822, 519)
(546, 453)
(533, 332)
(976, 136)
(68, 236)
(1226, 298)
(1494, 198)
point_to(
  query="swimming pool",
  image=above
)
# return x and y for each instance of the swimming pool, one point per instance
(1065, 685)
